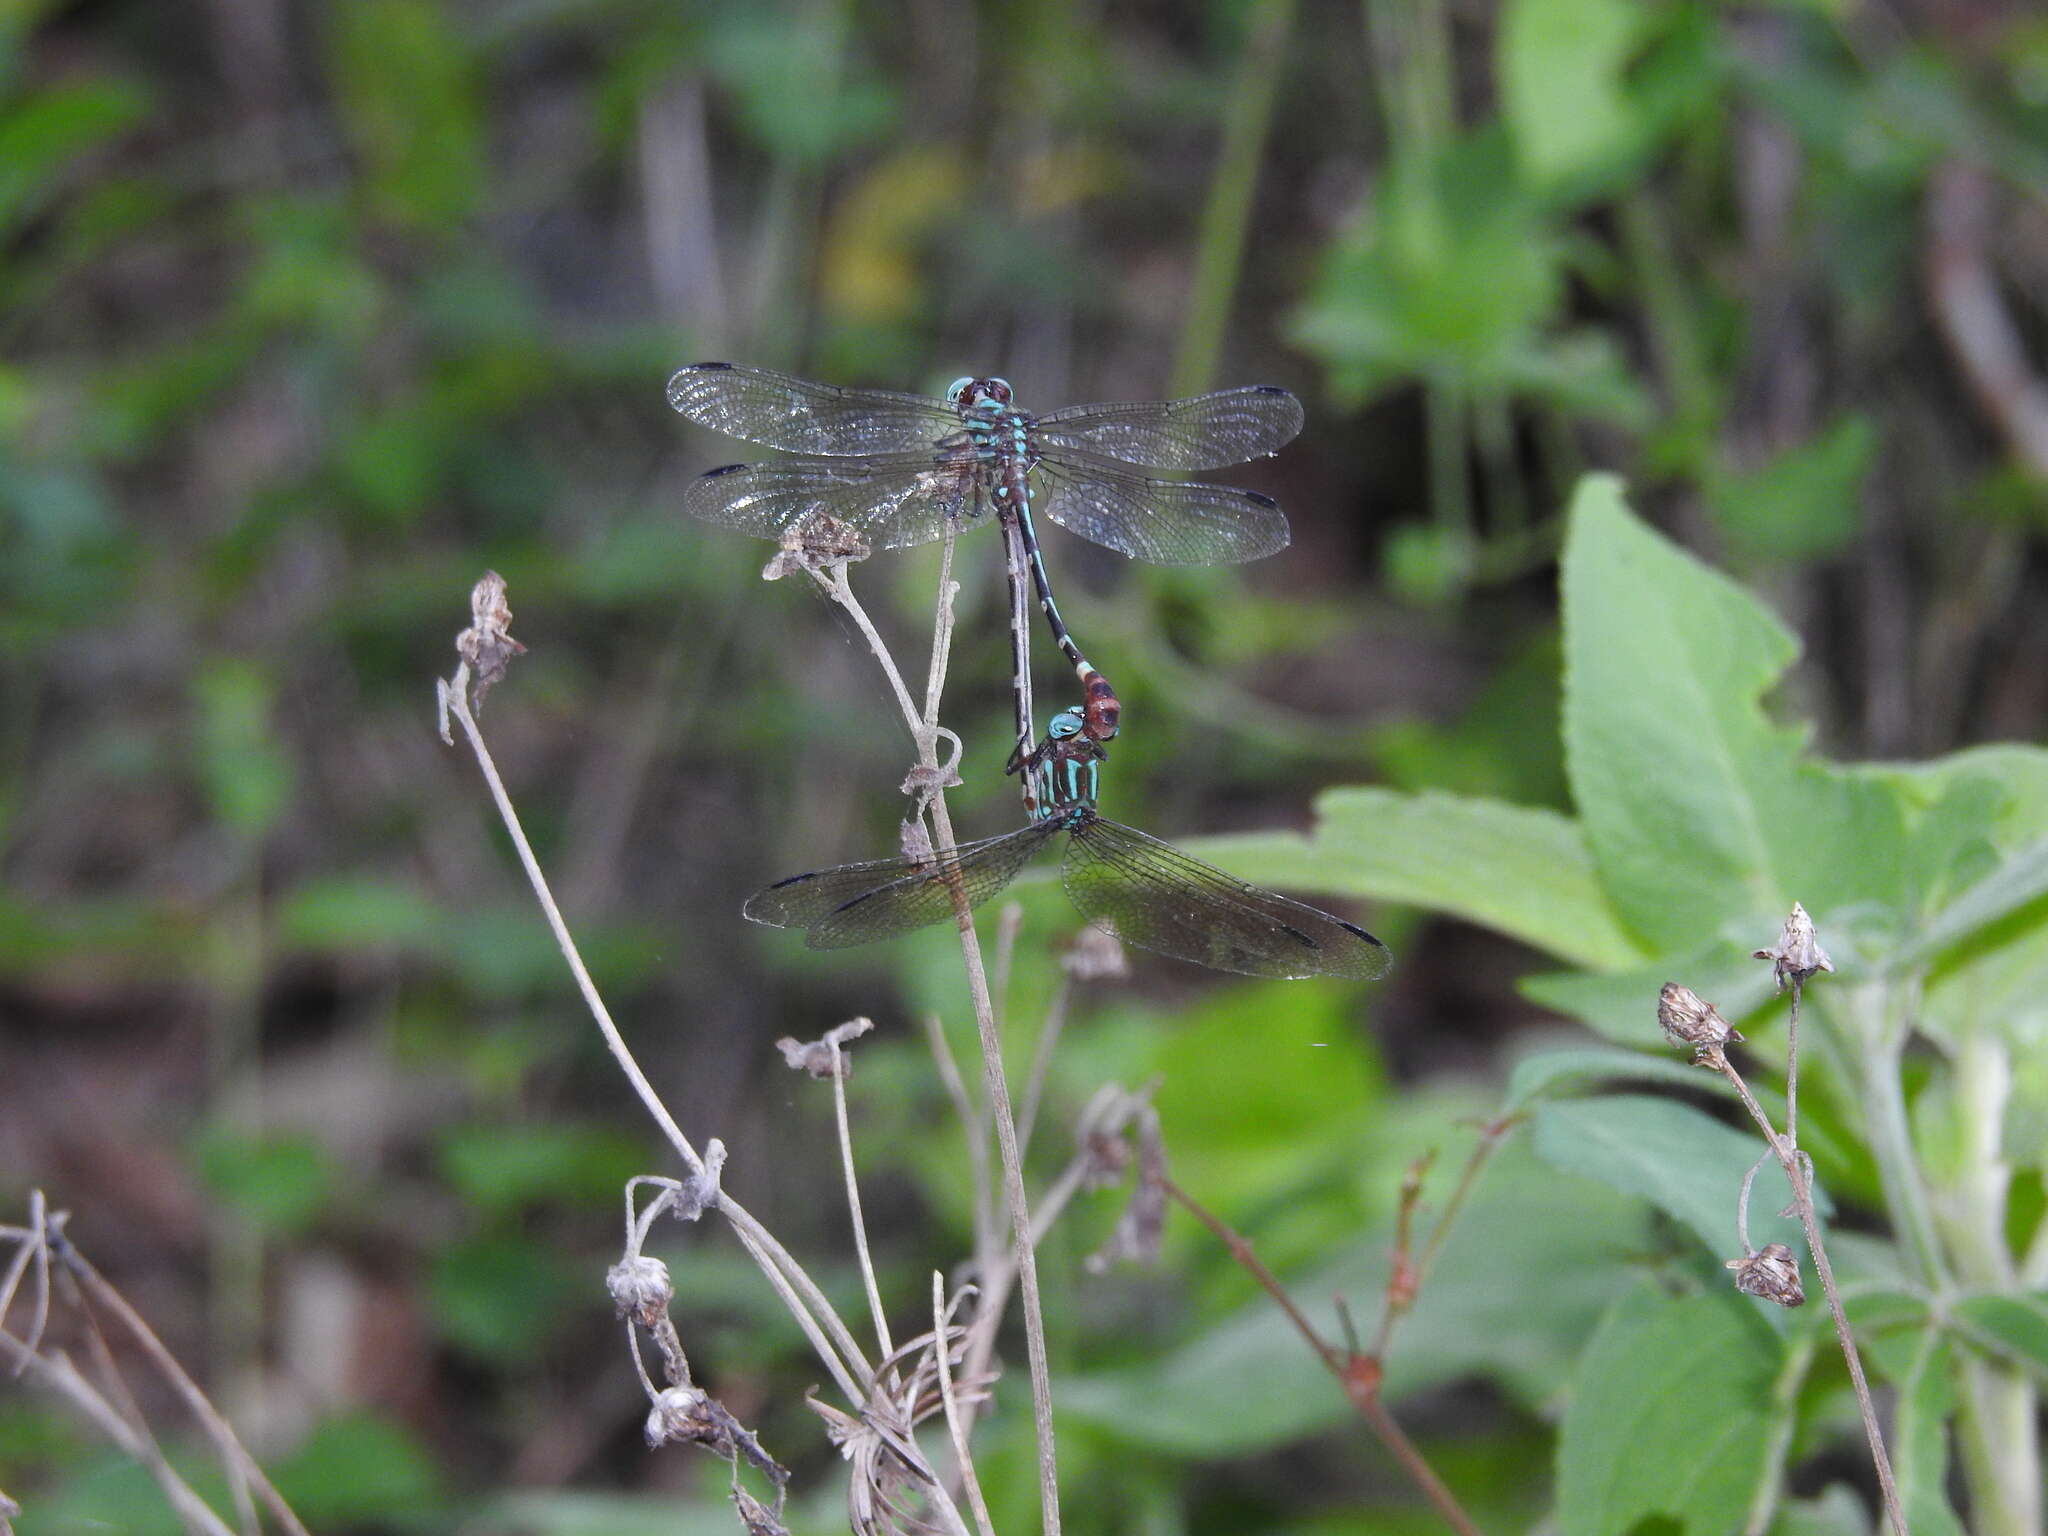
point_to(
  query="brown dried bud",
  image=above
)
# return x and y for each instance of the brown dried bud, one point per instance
(641, 1289)
(1798, 954)
(487, 647)
(1772, 1273)
(1096, 955)
(1689, 1019)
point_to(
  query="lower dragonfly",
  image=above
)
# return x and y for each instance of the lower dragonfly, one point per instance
(1144, 891)
(901, 469)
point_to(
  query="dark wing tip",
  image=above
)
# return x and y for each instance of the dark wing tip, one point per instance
(708, 367)
(713, 474)
(1271, 389)
(1378, 959)
(1260, 499)
(679, 391)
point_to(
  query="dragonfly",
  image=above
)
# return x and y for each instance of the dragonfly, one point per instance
(901, 469)
(1146, 892)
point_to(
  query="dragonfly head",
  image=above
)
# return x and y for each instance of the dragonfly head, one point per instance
(973, 392)
(1068, 722)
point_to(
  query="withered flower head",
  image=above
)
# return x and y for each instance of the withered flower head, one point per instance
(815, 543)
(1797, 954)
(640, 1288)
(1689, 1019)
(1772, 1273)
(487, 645)
(817, 1056)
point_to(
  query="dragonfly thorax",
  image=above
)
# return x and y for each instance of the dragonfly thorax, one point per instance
(1065, 770)
(968, 393)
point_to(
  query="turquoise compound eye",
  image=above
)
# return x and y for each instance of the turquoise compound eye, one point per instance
(1066, 723)
(956, 390)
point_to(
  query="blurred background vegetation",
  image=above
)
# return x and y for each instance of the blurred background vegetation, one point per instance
(312, 312)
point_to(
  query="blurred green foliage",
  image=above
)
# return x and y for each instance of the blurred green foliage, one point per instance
(307, 315)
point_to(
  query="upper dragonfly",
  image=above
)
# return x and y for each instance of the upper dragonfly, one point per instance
(901, 468)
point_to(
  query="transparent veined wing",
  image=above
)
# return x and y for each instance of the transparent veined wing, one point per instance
(861, 903)
(1204, 432)
(891, 502)
(1150, 894)
(779, 411)
(1163, 522)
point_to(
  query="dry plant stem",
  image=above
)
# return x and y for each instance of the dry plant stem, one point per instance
(1362, 1393)
(925, 732)
(456, 702)
(1041, 1057)
(941, 1352)
(977, 1139)
(60, 1376)
(1491, 1135)
(237, 1461)
(860, 1229)
(783, 1271)
(1802, 1200)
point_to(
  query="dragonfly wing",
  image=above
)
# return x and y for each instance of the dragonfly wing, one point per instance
(779, 411)
(1163, 522)
(1205, 432)
(861, 903)
(893, 502)
(1150, 894)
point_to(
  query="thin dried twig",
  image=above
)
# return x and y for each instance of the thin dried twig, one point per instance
(925, 732)
(955, 1424)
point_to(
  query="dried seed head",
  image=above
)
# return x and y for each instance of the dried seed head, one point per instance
(641, 1289)
(1797, 954)
(817, 1056)
(755, 1517)
(815, 543)
(487, 646)
(1689, 1019)
(1096, 955)
(1772, 1273)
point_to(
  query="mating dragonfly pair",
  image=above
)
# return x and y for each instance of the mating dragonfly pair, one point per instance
(901, 470)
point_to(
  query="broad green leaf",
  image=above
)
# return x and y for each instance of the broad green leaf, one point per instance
(1803, 504)
(570, 1512)
(1622, 1005)
(2015, 883)
(41, 135)
(1250, 1384)
(1522, 871)
(1920, 1439)
(1838, 1511)
(502, 1297)
(1668, 1417)
(1699, 812)
(1679, 1158)
(2014, 1327)
(498, 1171)
(1580, 1067)
(1561, 65)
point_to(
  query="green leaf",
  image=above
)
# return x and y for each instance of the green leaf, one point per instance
(1682, 1160)
(1581, 1067)
(1622, 1005)
(501, 1297)
(41, 135)
(283, 1182)
(1920, 1439)
(2012, 1327)
(496, 1170)
(360, 1471)
(1803, 504)
(1249, 1384)
(2017, 881)
(1704, 819)
(1668, 1417)
(1561, 65)
(1524, 872)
